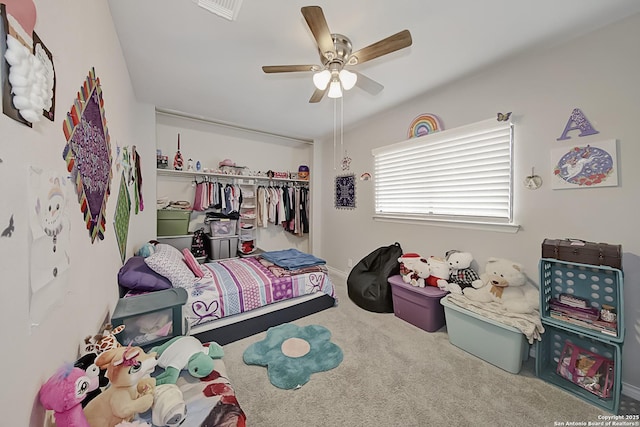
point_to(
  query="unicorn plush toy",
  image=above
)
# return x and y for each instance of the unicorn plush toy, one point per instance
(64, 392)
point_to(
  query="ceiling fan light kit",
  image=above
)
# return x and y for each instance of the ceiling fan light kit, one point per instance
(321, 79)
(334, 89)
(348, 79)
(336, 54)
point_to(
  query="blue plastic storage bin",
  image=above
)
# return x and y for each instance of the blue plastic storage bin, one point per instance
(549, 350)
(501, 345)
(599, 284)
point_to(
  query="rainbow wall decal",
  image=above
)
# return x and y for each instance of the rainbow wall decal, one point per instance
(424, 124)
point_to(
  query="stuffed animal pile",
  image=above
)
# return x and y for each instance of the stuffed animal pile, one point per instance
(504, 282)
(132, 390)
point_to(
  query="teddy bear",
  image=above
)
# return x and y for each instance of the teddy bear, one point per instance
(505, 282)
(438, 272)
(461, 275)
(185, 352)
(131, 390)
(413, 269)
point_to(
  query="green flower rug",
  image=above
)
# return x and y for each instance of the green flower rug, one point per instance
(292, 353)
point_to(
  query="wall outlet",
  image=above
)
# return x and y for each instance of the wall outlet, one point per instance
(349, 263)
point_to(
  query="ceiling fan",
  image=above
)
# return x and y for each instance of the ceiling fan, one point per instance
(336, 54)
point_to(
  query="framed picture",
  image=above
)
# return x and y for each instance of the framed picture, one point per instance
(585, 166)
(345, 189)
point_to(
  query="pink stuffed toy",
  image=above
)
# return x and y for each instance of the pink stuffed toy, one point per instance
(64, 392)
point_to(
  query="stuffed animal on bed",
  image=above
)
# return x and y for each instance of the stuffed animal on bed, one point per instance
(169, 408)
(185, 352)
(64, 392)
(87, 363)
(504, 282)
(102, 341)
(131, 390)
(461, 275)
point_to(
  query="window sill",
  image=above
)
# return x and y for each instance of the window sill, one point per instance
(469, 225)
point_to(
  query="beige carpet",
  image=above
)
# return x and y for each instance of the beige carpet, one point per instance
(394, 374)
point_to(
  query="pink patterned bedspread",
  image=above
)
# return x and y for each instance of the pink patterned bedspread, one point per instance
(244, 284)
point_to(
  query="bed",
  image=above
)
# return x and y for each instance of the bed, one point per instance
(237, 297)
(248, 295)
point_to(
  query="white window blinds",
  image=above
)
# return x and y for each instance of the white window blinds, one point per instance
(459, 174)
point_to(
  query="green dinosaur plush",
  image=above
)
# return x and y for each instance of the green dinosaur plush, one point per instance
(185, 352)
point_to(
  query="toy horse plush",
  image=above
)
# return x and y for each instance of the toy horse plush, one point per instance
(64, 392)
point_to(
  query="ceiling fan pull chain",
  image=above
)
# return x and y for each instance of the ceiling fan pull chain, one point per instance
(334, 132)
(342, 126)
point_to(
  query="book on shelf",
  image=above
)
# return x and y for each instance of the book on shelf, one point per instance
(582, 313)
(573, 301)
(607, 328)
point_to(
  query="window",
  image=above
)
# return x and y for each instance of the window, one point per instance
(462, 175)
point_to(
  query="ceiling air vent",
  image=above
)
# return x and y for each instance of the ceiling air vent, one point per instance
(228, 9)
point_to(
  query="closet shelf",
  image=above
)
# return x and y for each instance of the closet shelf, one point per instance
(171, 172)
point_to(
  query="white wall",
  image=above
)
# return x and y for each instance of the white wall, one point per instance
(80, 35)
(211, 143)
(597, 73)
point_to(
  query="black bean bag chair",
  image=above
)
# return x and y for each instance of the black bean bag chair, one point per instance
(367, 283)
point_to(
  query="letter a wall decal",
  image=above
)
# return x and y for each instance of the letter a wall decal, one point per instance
(577, 121)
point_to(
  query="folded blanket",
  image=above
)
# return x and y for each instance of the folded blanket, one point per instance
(281, 272)
(292, 259)
(528, 323)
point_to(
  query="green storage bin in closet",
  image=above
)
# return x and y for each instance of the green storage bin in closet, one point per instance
(173, 222)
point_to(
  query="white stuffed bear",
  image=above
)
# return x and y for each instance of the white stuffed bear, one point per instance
(461, 275)
(413, 269)
(438, 272)
(504, 282)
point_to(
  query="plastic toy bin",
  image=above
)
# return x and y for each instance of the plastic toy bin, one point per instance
(419, 306)
(222, 227)
(597, 284)
(221, 247)
(549, 350)
(150, 318)
(501, 345)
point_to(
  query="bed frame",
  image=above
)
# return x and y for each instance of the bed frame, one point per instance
(239, 326)
(232, 328)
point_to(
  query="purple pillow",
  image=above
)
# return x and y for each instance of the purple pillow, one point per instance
(136, 275)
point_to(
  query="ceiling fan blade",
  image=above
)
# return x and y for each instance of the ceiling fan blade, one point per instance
(368, 85)
(288, 68)
(317, 95)
(318, 26)
(390, 44)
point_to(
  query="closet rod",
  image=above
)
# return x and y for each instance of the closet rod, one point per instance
(182, 115)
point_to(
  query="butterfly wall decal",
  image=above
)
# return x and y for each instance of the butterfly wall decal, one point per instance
(503, 117)
(7, 232)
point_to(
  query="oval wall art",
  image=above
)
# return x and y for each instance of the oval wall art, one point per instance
(588, 166)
